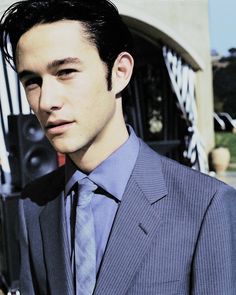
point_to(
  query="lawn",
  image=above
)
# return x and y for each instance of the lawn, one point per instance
(227, 139)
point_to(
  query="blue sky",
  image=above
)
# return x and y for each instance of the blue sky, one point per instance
(222, 19)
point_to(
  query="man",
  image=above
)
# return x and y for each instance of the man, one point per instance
(153, 226)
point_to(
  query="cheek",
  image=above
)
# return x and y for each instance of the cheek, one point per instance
(33, 99)
(33, 105)
(82, 97)
(104, 110)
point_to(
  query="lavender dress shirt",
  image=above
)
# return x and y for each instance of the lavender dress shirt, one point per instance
(112, 176)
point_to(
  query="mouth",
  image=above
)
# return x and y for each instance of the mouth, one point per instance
(58, 127)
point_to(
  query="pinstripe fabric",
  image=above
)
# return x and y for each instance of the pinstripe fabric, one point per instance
(57, 253)
(45, 269)
(188, 244)
(174, 233)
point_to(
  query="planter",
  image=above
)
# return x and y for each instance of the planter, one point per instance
(219, 159)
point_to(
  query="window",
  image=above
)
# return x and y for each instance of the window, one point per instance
(150, 104)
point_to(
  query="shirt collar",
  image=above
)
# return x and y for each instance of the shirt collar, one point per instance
(113, 173)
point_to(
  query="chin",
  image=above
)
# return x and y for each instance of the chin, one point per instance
(66, 148)
(61, 147)
(70, 145)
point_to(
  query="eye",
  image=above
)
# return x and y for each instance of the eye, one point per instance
(66, 73)
(32, 83)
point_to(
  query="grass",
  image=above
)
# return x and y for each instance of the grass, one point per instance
(228, 139)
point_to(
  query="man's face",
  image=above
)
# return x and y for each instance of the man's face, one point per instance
(65, 83)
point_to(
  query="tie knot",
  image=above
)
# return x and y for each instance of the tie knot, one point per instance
(86, 189)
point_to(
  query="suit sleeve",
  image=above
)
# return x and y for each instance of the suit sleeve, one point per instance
(26, 279)
(214, 265)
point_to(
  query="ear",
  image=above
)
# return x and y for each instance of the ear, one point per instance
(122, 72)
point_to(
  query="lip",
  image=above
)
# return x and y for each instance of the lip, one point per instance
(58, 127)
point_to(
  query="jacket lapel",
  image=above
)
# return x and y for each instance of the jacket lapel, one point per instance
(135, 226)
(55, 244)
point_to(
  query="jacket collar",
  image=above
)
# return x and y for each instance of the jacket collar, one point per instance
(54, 236)
(135, 226)
(134, 229)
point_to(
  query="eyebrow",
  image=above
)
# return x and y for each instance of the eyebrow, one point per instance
(54, 64)
(25, 73)
(63, 61)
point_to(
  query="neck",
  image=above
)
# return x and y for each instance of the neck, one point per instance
(113, 135)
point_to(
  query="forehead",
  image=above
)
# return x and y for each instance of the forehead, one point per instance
(53, 41)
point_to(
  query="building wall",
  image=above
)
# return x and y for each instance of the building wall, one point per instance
(183, 25)
(4, 4)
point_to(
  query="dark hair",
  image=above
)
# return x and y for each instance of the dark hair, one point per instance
(100, 19)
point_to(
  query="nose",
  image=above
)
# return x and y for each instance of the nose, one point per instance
(50, 98)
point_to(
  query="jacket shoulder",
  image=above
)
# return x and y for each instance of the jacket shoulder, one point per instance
(180, 178)
(46, 187)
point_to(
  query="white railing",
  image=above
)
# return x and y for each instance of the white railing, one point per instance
(182, 79)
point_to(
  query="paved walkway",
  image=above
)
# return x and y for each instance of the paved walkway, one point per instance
(228, 177)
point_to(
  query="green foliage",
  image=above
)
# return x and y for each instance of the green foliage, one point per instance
(227, 139)
(224, 84)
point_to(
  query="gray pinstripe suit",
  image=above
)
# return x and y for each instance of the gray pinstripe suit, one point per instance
(174, 233)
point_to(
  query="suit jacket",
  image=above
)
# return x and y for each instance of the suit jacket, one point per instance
(174, 233)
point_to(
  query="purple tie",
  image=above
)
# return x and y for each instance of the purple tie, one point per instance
(85, 248)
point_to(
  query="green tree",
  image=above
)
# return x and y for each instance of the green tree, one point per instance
(224, 84)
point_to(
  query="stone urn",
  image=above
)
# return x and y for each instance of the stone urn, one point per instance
(219, 159)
